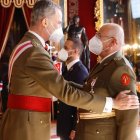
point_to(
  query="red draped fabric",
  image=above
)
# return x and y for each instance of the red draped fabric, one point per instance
(86, 13)
(27, 13)
(6, 17)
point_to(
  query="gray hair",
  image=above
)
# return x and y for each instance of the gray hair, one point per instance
(116, 31)
(42, 9)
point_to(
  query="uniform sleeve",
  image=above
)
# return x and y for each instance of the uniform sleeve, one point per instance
(81, 75)
(122, 79)
(41, 69)
(76, 85)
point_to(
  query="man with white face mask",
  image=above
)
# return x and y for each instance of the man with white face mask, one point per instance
(74, 71)
(33, 80)
(114, 73)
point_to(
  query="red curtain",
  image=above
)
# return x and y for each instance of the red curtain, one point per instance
(6, 17)
(27, 14)
(86, 13)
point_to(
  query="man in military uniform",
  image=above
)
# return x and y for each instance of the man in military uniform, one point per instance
(74, 30)
(114, 73)
(76, 72)
(33, 80)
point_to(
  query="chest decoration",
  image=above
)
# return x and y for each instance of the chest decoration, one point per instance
(92, 85)
(125, 79)
(58, 67)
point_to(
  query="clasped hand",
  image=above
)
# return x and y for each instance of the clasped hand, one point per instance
(125, 101)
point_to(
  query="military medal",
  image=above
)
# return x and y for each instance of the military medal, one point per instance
(92, 85)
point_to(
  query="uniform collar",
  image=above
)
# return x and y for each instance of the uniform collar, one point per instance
(106, 61)
(107, 57)
(72, 63)
(39, 37)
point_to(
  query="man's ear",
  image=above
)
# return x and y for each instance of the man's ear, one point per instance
(45, 22)
(114, 41)
(77, 51)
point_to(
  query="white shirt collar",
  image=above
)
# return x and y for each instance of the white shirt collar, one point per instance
(72, 63)
(107, 57)
(39, 37)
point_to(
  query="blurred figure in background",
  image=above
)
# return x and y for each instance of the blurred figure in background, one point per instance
(74, 30)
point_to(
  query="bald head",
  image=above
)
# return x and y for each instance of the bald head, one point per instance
(114, 30)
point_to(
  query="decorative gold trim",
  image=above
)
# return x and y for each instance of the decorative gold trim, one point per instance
(98, 14)
(17, 3)
(7, 33)
(6, 3)
(65, 13)
(30, 3)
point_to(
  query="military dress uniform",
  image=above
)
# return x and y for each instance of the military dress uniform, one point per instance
(113, 74)
(67, 114)
(33, 81)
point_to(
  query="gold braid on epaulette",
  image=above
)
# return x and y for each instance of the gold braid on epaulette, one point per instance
(119, 61)
(36, 44)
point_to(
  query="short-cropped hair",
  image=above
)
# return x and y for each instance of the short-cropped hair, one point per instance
(77, 44)
(42, 9)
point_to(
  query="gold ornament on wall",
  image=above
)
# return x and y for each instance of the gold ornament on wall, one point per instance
(98, 14)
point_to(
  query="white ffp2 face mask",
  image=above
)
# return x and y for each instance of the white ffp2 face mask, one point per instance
(95, 45)
(63, 55)
(57, 35)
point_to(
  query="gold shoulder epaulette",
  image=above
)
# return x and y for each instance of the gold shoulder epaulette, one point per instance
(117, 58)
(36, 44)
(119, 61)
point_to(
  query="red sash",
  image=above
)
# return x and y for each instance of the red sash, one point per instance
(26, 102)
(32, 103)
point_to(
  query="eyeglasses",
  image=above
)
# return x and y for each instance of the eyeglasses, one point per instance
(98, 35)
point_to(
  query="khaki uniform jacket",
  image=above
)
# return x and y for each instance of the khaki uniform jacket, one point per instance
(115, 74)
(34, 74)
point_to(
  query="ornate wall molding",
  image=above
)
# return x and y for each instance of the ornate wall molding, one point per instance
(17, 3)
(98, 14)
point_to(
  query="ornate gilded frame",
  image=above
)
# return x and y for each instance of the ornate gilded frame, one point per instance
(98, 12)
(63, 5)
